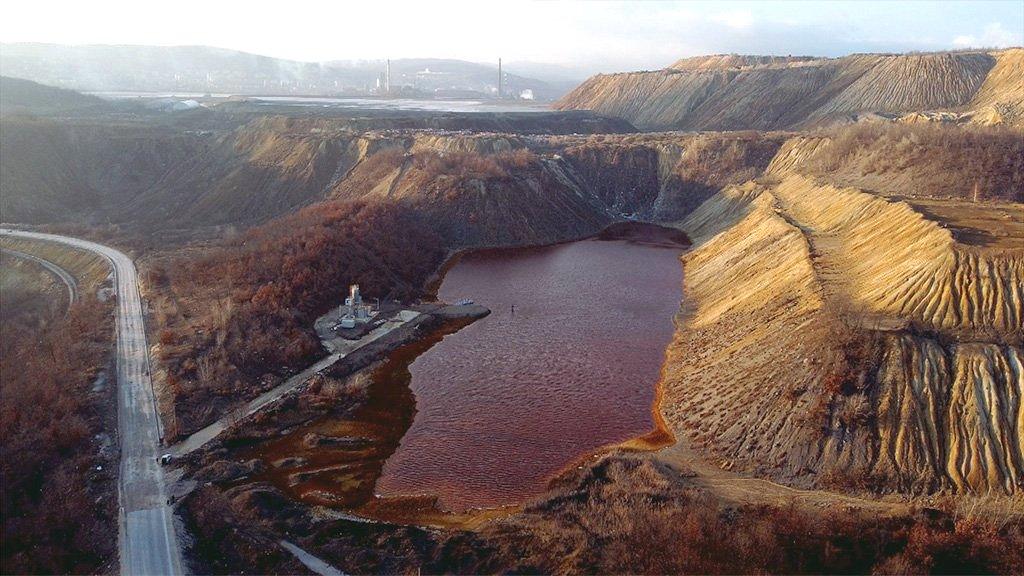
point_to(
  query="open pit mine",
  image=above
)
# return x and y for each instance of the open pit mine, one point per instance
(782, 333)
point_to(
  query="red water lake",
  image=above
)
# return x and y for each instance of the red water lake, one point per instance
(505, 403)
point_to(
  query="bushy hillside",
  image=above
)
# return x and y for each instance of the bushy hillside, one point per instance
(930, 160)
(161, 174)
(766, 93)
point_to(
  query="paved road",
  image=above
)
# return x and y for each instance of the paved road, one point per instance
(312, 562)
(147, 542)
(200, 438)
(338, 351)
(65, 277)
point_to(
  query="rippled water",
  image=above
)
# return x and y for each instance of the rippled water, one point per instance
(505, 403)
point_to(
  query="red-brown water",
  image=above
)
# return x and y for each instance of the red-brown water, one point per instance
(505, 403)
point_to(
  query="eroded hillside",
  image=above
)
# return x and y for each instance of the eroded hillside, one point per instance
(766, 93)
(834, 337)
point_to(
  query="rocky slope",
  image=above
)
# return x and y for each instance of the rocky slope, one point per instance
(765, 93)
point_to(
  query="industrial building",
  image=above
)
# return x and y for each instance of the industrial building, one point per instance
(354, 311)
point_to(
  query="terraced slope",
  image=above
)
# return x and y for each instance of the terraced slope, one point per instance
(835, 337)
(742, 376)
(766, 93)
(922, 276)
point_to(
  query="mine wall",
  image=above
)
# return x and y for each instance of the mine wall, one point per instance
(712, 93)
(785, 279)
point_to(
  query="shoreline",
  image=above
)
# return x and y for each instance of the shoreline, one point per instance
(659, 436)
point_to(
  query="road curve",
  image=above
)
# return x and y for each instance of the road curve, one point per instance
(62, 274)
(147, 543)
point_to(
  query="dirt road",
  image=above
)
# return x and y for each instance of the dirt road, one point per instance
(147, 543)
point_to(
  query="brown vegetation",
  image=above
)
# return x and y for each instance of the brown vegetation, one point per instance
(244, 311)
(625, 514)
(59, 510)
(30, 296)
(917, 160)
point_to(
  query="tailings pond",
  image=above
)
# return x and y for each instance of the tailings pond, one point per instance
(506, 402)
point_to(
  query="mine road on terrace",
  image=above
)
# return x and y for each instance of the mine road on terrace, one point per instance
(63, 275)
(147, 544)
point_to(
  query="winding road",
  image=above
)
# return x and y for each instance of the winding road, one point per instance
(63, 275)
(147, 543)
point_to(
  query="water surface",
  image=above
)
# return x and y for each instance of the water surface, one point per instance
(505, 403)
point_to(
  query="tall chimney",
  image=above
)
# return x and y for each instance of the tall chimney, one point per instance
(500, 79)
(387, 78)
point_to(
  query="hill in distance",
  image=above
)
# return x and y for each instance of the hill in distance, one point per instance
(24, 96)
(734, 92)
(202, 69)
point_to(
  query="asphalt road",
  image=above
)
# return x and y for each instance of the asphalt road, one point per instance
(147, 543)
(312, 562)
(339, 349)
(62, 274)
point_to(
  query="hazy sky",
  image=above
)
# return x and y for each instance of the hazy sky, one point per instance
(593, 36)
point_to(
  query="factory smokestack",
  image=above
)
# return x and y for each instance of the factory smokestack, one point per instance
(501, 79)
(387, 78)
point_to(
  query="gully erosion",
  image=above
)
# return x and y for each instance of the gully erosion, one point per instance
(476, 407)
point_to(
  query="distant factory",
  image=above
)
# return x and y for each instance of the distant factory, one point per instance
(354, 311)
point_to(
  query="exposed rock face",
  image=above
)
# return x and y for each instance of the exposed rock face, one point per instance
(666, 176)
(767, 93)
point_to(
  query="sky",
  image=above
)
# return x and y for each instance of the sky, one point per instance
(587, 36)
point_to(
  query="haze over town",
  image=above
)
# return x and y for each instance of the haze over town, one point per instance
(578, 38)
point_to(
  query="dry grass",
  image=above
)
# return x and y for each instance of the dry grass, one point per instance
(924, 160)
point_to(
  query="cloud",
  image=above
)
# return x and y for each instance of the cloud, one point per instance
(735, 19)
(994, 36)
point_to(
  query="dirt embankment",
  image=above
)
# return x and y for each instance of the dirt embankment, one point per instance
(152, 174)
(833, 337)
(743, 93)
